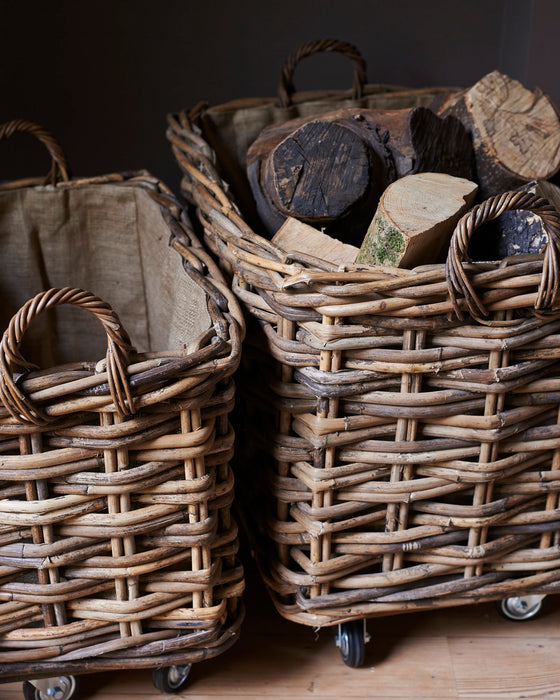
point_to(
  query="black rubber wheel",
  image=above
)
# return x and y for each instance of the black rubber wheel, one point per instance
(520, 608)
(171, 679)
(350, 639)
(66, 688)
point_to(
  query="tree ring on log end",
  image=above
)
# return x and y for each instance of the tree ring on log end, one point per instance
(320, 171)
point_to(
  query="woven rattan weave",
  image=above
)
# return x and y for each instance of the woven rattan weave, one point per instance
(117, 545)
(408, 419)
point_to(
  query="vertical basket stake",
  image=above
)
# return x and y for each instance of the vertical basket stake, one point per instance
(553, 499)
(328, 408)
(286, 330)
(195, 469)
(403, 432)
(43, 494)
(408, 472)
(37, 533)
(129, 543)
(488, 450)
(114, 507)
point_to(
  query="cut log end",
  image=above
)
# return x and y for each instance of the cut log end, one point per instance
(319, 171)
(515, 132)
(415, 218)
(519, 127)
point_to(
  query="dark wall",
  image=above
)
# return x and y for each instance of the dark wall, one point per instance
(103, 75)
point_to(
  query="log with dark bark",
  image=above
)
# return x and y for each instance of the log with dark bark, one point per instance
(515, 132)
(330, 171)
(415, 218)
(520, 232)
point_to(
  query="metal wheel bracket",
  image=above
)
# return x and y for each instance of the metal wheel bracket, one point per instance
(337, 638)
(56, 687)
(522, 607)
(179, 671)
(171, 679)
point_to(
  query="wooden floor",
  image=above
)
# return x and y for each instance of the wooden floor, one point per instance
(464, 653)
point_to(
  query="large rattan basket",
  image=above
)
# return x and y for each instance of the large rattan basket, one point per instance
(117, 545)
(409, 418)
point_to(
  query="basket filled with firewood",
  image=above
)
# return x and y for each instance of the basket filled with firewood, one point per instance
(396, 253)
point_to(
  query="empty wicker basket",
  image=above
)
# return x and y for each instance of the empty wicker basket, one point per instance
(409, 418)
(117, 546)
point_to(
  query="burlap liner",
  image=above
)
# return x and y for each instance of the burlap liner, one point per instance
(109, 239)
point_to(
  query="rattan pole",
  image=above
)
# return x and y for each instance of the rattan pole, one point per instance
(200, 472)
(333, 359)
(488, 452)
(318, 499)
(286, 330)
(222, 429)
(192, 509)
(552, 500)
(113, 506)
(200, 556)
(402, 430)
(500, 402)
(408, 472)
(129, 542)
(43, 494)
(48, 612)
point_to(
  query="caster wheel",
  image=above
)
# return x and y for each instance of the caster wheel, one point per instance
(57, 688)
(351, 641)
(520, 608)
(171, 679)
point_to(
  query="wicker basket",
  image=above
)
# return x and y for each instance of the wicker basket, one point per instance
(410, 417)
(117, 546)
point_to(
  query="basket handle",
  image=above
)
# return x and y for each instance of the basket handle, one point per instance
(59, 166)
(118, 349)
(286, 88)
(458, 283)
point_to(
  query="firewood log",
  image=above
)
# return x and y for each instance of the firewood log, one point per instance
(515, 132)
(294, 236)
(415, 218)
(522, 232)
(330, 171)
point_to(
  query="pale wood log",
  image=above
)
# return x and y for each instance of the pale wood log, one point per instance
(415, 218)
(515, 132)
(295, 236)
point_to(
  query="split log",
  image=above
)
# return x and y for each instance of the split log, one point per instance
(294, 236)
(330, 171)
(521, 232)
(515, 132)
(415, 219)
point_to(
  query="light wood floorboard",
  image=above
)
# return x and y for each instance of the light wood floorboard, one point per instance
(467, 653)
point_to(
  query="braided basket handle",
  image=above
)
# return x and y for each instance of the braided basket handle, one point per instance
(458, 284)
(118, 349)
(286, 88)
(59, 166)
